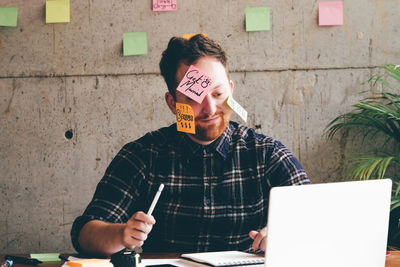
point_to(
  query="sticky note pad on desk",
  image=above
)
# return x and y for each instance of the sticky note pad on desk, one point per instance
(257, 19)
(330, 13)
(57, 11)
(8, 16)
(45, 257)
(134, 43)
(90, 263)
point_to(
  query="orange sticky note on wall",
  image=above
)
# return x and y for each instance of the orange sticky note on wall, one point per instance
(190, 35)
(185, 118)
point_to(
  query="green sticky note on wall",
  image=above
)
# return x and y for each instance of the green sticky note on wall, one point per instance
(257, 19)
(8, 16)
(134, 43)
(57, 11)
(45, 257)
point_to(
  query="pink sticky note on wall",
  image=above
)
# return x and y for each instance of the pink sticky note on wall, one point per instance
(330, 13)
(195, 84)
(164, 5)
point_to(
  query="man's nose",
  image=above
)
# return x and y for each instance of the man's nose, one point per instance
(208, 105)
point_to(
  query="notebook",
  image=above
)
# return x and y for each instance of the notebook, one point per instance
(224, 258)
(335, 224)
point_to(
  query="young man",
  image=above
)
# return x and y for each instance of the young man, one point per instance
(217, 180)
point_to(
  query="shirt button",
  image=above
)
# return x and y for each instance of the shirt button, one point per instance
(207, 201)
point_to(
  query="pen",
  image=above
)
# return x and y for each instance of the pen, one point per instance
(149, 212)
(7, 263)
(64, 258)
(156, 197)
(22, 260)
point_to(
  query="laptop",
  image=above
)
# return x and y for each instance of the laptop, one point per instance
(342, 224)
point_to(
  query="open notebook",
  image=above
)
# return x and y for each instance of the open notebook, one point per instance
(224, 258)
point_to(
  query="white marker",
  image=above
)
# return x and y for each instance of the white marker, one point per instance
(156, 197)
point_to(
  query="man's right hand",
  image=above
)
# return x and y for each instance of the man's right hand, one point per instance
(136, 229)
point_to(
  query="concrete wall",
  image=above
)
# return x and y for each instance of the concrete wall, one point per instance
(58, 77)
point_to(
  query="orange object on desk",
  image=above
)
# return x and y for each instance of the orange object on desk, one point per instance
(90, 263)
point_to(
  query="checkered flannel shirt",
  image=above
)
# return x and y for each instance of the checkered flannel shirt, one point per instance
(213, 196)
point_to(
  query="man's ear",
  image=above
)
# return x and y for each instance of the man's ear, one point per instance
(232, 85)
(170, 102)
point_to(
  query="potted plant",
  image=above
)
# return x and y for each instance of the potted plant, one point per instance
(375, 120)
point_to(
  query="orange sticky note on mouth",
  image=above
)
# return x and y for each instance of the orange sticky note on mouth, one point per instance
(185, 118)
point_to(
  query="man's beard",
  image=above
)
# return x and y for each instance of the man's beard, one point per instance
(213, 131)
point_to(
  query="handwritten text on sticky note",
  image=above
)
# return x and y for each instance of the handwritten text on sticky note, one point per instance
(330, 13)
(195, 84)
(8, 16)
(164, 5)
(237, 108)
(185, 118)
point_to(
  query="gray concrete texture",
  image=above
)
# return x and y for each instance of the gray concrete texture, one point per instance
(58, 77)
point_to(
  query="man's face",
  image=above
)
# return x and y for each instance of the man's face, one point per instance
(212, 115)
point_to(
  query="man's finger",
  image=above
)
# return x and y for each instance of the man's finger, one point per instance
(253, 234)
(141, 216)
(257, 241)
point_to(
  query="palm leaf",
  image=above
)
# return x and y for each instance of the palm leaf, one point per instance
(364, 166)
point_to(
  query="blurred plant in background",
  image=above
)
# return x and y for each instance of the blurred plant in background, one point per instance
(375, 123)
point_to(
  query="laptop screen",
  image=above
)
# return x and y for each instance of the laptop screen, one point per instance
(330, 225)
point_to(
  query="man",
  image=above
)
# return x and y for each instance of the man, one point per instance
(217, 180)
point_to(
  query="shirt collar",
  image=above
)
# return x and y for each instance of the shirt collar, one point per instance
(220, 145)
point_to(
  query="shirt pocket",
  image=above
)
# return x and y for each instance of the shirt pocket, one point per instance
(240, 189)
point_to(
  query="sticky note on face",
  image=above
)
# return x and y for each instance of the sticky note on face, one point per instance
(237, 108)
(257, 19)
(8, 16)
(185, 118)
(134, 43)
(57, 11)
(195, 84)
(188, 36)
(330, 13)
(164, 5)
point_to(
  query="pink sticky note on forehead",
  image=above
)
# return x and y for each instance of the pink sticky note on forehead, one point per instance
(330, 13)
(164, 5)
(195, 84)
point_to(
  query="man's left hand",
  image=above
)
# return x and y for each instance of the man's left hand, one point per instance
(259, 239)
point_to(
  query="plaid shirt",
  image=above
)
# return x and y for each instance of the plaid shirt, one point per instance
(213, 196)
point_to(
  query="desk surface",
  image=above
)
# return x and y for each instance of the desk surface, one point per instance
(392, 260)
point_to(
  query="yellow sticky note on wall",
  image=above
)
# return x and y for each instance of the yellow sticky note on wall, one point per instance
(185, 118)
(57, 11)
(190, 35)
(237, 108)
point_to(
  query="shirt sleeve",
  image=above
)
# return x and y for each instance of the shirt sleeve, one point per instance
(284, 168)
(116, 192)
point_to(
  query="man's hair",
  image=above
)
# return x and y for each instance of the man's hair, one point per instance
(187, 51)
